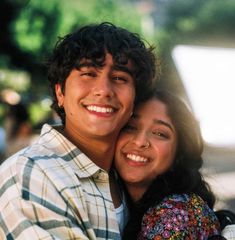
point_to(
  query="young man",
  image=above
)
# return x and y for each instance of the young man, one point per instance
(59, 188)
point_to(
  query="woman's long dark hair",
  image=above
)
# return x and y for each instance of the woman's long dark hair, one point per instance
(184, 176)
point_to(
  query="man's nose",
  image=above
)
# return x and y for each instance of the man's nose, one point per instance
(103, 86)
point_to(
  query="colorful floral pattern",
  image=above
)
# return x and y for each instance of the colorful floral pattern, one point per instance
(179, 217)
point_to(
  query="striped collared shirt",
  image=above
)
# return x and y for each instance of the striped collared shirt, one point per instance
(51, 190)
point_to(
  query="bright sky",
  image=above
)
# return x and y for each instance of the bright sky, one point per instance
(208, 75)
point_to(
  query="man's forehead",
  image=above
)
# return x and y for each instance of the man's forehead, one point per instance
(101, 62)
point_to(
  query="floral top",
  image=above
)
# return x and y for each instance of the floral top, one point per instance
(179, 217)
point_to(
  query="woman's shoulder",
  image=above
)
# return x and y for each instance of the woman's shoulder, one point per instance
(183, 198)
(191, 206)
(188, 202)
(180, 216)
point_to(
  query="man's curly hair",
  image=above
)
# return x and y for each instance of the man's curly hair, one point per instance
(93, 42)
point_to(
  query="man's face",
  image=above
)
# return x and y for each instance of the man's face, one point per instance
(97, 101)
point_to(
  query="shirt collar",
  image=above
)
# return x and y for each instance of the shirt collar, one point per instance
(83, 166)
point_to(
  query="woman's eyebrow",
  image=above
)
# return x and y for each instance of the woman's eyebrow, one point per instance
(162, 122)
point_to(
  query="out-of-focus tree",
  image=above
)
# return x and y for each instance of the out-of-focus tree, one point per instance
(199, 19)
(195, 22)
(79, 12)
(36, 27)
(28, 29)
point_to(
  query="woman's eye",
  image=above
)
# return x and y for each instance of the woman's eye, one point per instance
(160, 134)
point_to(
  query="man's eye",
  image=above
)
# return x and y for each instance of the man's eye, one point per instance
(120, 79)
(89, 74)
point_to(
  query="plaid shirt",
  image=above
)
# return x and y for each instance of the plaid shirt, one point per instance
(51, 190)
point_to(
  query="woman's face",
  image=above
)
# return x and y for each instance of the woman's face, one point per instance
(147, 145)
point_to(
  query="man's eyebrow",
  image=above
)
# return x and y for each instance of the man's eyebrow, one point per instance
(123, 69)
(115, 67)
(162, 122)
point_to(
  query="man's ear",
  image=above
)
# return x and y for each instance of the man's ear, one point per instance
(59, 94)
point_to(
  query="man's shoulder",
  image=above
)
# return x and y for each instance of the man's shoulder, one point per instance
(36, 168)
(39, 156)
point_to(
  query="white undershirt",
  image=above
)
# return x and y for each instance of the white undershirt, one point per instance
(122, 215)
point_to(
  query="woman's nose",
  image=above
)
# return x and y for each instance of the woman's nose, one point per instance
(141, 140)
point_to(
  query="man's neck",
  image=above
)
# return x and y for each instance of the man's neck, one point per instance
(99, 150)
(101, 153)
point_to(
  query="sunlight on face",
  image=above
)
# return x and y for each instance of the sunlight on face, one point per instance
(208, 75)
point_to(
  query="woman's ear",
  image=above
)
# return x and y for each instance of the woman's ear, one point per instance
(59, 95)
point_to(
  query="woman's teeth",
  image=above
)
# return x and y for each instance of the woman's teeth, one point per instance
(136, 158)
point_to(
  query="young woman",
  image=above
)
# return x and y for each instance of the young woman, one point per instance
(159, 156)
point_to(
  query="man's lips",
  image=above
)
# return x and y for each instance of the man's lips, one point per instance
(100, 109)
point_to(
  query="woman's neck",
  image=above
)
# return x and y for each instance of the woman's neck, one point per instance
(136, 191)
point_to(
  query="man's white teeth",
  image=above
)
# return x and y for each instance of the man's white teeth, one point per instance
(99, 109)
(136, 158)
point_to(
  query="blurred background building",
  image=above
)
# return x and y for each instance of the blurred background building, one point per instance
(194, 42)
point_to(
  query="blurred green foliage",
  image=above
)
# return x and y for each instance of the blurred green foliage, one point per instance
(36, 26)
(16, 80)
(38, 112)
(201, 22)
